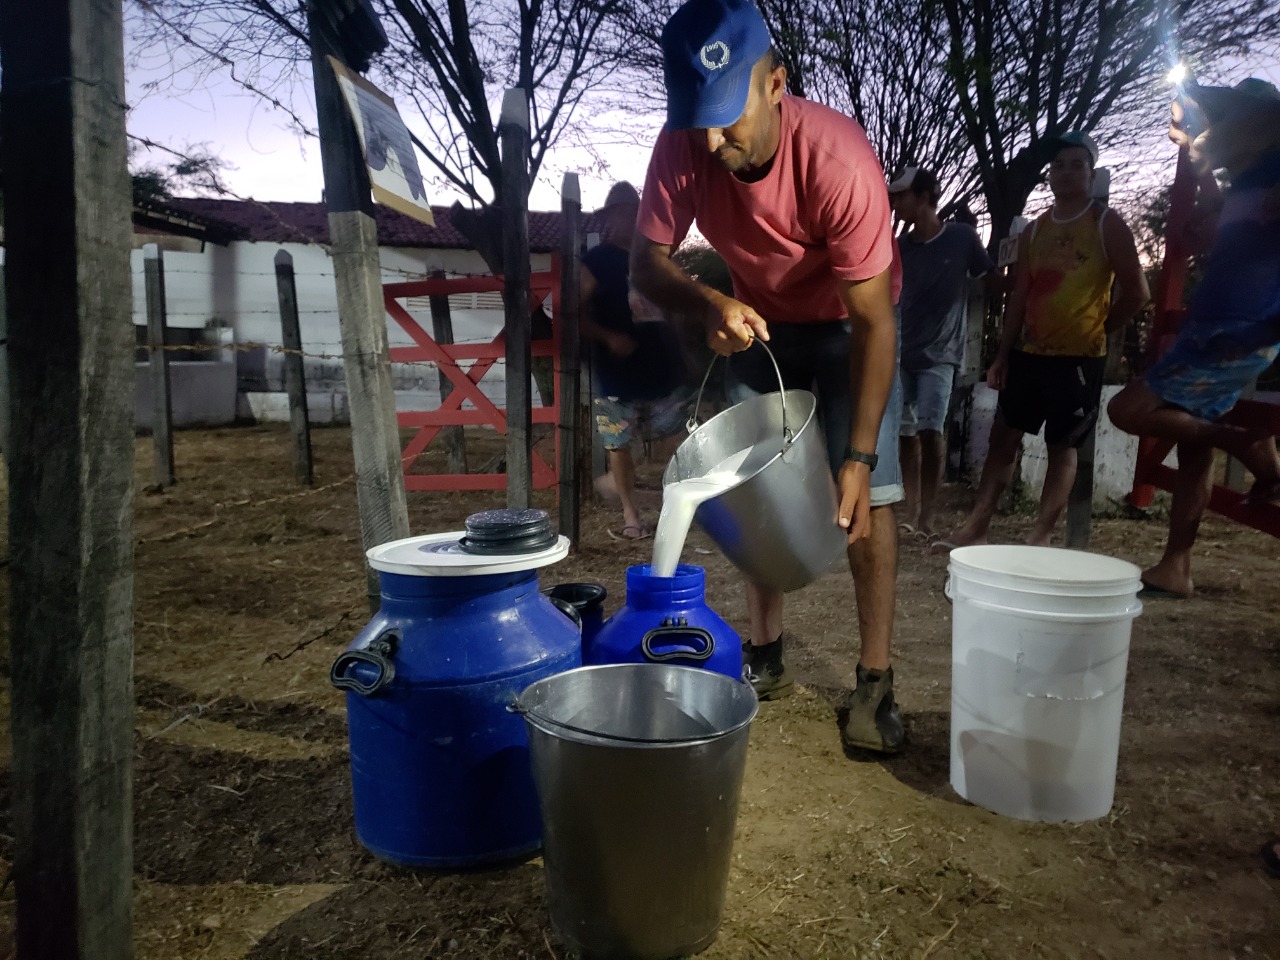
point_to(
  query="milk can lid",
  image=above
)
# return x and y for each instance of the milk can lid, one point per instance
(494, 541)
(505, 531)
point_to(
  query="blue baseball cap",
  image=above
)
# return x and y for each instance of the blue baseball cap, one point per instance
(708, 50)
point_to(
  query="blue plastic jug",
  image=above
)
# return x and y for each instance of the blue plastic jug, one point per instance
(440, 768)
(667, 620)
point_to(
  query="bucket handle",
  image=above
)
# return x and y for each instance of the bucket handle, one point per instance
(678, 630)
(377, 654)
(787, 436)
(1133, 609)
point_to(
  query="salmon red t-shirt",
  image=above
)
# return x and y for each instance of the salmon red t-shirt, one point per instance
(820, 213)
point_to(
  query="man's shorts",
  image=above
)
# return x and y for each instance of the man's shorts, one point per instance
(1207, 369)
(1062, 394)
(618, 421)
(926, 394)
(815, 357)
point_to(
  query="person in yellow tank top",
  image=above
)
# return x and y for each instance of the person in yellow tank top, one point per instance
(1077, 279)
(1070, 285)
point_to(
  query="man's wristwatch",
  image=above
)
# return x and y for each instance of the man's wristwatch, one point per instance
(870, 459)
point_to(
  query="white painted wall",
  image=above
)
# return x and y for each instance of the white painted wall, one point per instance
(230, 293)
(1114, 457)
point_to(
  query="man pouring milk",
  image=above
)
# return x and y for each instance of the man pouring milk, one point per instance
(791, 195)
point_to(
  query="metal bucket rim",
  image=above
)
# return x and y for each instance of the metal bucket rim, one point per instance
(727, 415)
(582, 735)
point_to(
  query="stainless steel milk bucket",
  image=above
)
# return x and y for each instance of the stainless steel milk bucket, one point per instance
(638, 768)
(778, 526)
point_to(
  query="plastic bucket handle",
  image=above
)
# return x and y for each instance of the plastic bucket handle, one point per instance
(1131, 611)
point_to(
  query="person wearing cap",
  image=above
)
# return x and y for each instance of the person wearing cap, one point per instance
(938, 262)
(792, 196)
(637, 360)
(1231, 331)
(1077, 279)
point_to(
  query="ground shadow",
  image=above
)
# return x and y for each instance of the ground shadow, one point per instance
(210, 816)
(489, 913)
(280, 718)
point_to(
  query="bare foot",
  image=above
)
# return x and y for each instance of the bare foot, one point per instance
(1262, 460)
(1159, 581)
(1263, 492)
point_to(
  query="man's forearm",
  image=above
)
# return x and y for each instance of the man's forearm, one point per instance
(873, 360)
(1123, 309)
(1010, 331)
(660, 279)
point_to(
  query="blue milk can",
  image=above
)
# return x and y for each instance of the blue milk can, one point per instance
(667, 620)
(440, 768)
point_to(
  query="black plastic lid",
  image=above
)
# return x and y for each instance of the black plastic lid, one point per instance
(508, 532)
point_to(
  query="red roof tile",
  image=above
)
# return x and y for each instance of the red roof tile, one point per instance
(273, 222)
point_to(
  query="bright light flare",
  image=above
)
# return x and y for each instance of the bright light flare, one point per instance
(1178, 74)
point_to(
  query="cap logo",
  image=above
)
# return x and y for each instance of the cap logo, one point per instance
(715, 55)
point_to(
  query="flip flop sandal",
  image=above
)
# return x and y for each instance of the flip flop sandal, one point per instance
(640, 532)
(1152, 592)
(907, 528)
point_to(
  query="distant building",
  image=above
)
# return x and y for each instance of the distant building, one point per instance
(221, 291)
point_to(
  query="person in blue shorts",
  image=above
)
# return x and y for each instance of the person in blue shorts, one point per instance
(1231, 332)
(637, 359)
(938, 262)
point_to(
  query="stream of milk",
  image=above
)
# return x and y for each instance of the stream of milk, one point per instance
(680, 500)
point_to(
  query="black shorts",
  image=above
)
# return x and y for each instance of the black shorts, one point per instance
(1062, 394)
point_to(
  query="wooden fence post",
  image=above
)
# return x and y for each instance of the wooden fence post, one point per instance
(71, 368)
(513, 131)
(1080, 500)
(158, 361)
(295, 372)
(455, 440)
(5, 439)
(353, 238)
(570, 350)
(593, 460)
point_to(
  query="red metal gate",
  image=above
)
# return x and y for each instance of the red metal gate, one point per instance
(479, 359)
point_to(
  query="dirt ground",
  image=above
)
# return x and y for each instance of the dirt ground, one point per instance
(246, 589)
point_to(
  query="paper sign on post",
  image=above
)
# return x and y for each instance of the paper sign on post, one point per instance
(386, 145)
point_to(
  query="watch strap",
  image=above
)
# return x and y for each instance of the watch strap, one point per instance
(870, 459)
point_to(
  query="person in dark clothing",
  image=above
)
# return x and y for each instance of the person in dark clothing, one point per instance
(637, 359)
(1231, 332)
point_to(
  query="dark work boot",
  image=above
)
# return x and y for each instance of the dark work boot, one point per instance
(766, 671)
(874, 721)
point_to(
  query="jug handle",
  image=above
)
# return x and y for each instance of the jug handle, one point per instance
(378, 654)
(709, 644)
(569, 610)
(787, 436)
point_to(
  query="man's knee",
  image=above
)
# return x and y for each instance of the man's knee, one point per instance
(1128, 407)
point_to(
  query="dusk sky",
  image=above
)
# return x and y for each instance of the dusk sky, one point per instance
(268, 161)
(271, 162)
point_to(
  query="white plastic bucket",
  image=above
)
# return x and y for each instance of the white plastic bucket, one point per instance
(1039, 649)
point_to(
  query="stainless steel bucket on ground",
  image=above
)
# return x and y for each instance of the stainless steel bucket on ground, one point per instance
(778, 526)
(638, 769)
